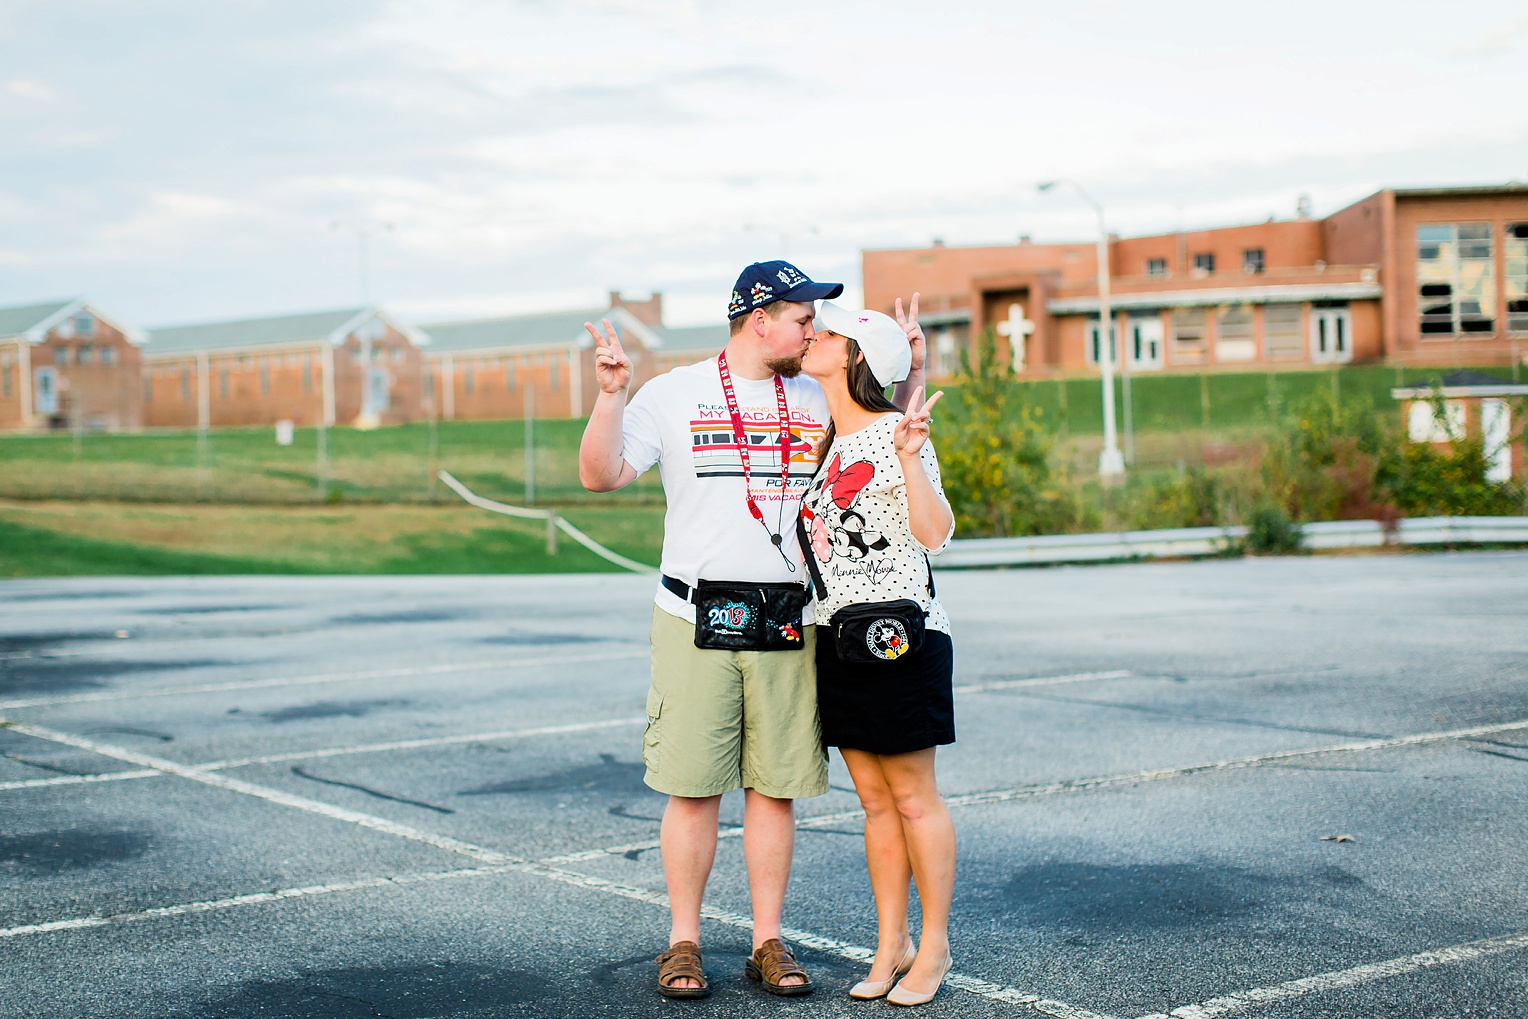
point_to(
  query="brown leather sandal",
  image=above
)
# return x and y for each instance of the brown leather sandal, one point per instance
(681, 961)
(772, 962)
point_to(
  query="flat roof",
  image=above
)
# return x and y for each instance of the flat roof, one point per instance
(1463, 191)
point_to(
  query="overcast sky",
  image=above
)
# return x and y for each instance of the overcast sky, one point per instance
(179, 161)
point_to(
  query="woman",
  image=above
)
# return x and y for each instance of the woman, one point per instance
(873, 511)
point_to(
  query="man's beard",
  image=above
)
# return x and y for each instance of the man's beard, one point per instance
(785, 367)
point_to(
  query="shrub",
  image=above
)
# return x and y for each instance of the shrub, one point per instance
(1187, 498)
(1271, 531)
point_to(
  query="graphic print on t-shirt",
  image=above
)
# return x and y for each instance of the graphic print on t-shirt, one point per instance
(839, 529)
(715, 455)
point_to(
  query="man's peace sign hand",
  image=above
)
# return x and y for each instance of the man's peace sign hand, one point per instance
(611, 365)
(915, 337)
(912, 430)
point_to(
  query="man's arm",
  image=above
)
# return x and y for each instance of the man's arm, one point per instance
(919, 344)
(600, 466)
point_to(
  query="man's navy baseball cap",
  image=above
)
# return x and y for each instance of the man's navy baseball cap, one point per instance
(765, 282)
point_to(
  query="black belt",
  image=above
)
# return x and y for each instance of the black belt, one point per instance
(679, 587)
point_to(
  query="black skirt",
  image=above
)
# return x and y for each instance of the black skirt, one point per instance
(887, 707)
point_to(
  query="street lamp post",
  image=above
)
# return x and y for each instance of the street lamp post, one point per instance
(1111, 462)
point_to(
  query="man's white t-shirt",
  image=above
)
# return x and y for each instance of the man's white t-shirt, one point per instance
(680, 422)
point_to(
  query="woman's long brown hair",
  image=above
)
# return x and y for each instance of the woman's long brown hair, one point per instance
(863, 390)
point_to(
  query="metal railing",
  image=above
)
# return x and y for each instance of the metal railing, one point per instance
(1210, 541)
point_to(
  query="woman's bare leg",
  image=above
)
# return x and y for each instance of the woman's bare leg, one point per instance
(887, 860)
(930, 840)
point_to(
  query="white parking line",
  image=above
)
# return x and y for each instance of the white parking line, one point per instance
(105, 776)
(252, 899)
(321, 678)
(1103, 781)
(1013, 684)
(414, 744)
(498, 863)
(322, 752)
(1337, 979)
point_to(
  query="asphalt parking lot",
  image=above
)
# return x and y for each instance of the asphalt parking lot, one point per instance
(418, 797)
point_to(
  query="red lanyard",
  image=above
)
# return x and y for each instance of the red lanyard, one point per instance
(742, 446)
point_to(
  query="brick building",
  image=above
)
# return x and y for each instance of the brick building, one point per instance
(496, 368)
(301, 368)
(1428, 276)
(68, 364)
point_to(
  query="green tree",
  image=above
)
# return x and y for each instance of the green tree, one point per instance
(995, 456)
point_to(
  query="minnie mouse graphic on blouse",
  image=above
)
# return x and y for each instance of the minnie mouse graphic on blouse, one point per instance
(855, 513)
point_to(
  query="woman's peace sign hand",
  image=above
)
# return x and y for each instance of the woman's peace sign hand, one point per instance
(611, 365)
(912, 430)
(915, 337)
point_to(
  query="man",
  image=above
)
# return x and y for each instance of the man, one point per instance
(733, 700)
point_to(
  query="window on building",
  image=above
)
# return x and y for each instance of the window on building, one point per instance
(1424, 424)
(1189, 336)
(60, 356)
(265, 377)
(946, 353)
(1282, 339)
(1233, 335)
(185, 385)
(87, 354)
(1156, 267)
(1517, 277)
(467, 380)
(553, 373)
(223, 382)
(108, 355)
(1252, 260)
(509, 374)
(398, 355)
(148, 389)
(1204, 261)
(84, 326)
(307, 375)
(5, 381)
(1455, 278)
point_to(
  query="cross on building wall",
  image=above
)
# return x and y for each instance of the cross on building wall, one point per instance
(1017, 328)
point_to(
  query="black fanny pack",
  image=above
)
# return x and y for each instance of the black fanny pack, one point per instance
(740, 616)
(879, 631)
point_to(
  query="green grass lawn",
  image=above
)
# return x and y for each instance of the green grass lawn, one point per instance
(1176, 417)
(161, 502)
(100, 538)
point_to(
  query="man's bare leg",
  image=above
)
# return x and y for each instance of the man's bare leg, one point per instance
(769, 840)
(688, 843)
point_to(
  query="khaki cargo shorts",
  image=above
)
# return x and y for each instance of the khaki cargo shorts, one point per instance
(724, 720)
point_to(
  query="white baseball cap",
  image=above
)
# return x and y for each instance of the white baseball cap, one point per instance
(883, 341)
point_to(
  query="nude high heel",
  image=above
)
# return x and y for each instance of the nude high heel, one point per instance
(900, 995)
(868, 990)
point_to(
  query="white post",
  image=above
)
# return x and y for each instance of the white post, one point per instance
(530, 445)
(24, 366)
(1111, 463)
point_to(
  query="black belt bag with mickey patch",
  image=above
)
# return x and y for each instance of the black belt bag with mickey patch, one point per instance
(733, 616)
(878, 631)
